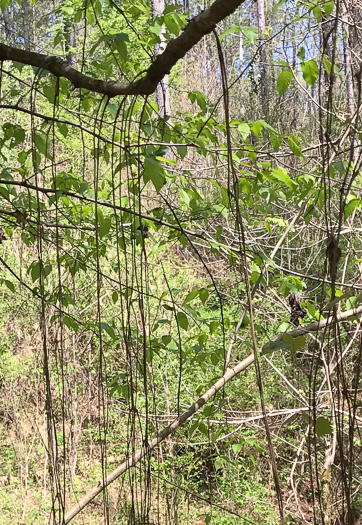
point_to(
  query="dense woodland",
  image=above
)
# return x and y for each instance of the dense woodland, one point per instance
(180, 262)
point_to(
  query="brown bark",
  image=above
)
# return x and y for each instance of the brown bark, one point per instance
(176, 49)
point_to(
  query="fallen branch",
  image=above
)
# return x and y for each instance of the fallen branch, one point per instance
(176, 49)
(170, 429)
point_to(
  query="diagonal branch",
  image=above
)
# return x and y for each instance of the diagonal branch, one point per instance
(170, 429)
(177, 48)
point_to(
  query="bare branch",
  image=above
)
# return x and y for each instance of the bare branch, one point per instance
(171, 429)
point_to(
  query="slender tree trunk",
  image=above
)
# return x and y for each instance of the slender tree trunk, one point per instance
(264, 92)
(28, 11)
(6, 17)
(348, 65)
(162, 90)
(350, 100)
(70, 42)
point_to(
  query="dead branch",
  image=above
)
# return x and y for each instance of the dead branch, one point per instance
(170, 429)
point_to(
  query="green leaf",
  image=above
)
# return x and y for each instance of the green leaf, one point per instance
(14, 132)
(225, 197)
(105, 326)
(104, 224)
(182, 151)
(219, 462)
(278, 4)
(166, 339)
(295, 146)
(18, 136)
(256, 128)
(301, 53)
(327, 65)
(233, 29)
(153, 171)
(203, 428)
(171, 8)
(120, 37)
(10, 285)
(47, 268)
(183, 240)
(283, 176)
(284, 327)
(317, 12)
(172, 25)
(105, 227)
(214, 325)
(328, 8)
(353, 204)
(276, 140)
(41, 142)
(310, 71)
(215, 358)
(87, 209)
(49, 93)
(112, 109)
(4, 4)
(121, 48)
(323, 427)
(23, 155)
(156, 30)
(182, 320)
(58, 39)
(190, 296)
(35, 271)
(251, 33)
(244, 130)
(237, 447)
(284, 80)
(204, 295)
(200, 99)
(70, 323)
(63, 128)
(299, 342)
(279, 344)
(193, 428)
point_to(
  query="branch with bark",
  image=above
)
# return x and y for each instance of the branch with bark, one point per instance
(176, 49)
(195, 407)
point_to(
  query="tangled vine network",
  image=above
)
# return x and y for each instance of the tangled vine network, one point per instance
(181, 268)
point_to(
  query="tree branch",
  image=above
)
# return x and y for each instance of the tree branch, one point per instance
(177, 48)
(132, 212)
(170, 429)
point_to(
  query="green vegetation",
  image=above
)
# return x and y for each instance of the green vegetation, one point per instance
(177, 188)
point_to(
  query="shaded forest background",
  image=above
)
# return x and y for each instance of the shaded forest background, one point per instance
(152, 243)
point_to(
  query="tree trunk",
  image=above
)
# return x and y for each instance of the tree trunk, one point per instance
(264, 92)
(6, 17)
(162, 90)
(348, 65)
(28, 12)
(70, 42)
